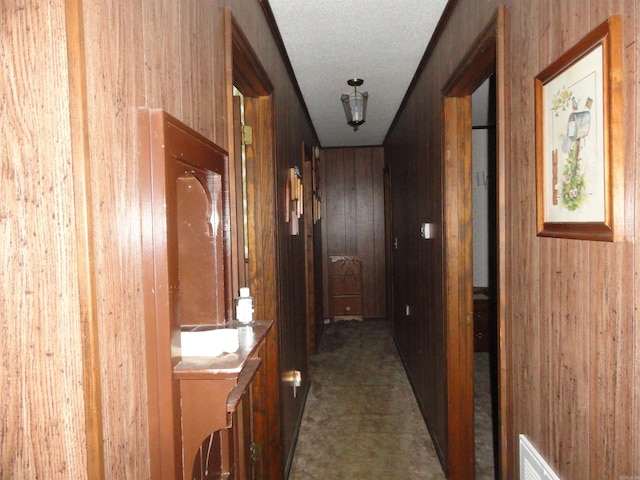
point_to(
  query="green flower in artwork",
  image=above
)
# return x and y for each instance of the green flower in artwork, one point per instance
(561, 101)
(573, 184)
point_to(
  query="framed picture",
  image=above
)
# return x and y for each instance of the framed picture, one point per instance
(579, 158)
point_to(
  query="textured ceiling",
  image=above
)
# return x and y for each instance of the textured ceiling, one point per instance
(330, 41)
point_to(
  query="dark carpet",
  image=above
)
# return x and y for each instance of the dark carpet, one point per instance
(361, 419)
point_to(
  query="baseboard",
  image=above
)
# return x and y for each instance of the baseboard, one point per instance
(425, 417)
(329, 321)
(296, 432)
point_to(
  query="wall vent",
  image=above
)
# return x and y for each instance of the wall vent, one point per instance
(532, 465)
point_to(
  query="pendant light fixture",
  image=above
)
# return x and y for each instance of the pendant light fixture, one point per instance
(355, 104)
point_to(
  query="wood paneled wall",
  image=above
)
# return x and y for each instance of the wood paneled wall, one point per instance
(571, 331)
(41, 381)
(353, 219)
(152, 53)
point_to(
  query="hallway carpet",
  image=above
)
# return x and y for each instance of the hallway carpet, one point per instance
(361, 420)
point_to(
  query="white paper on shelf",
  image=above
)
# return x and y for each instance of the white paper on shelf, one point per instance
(209, 343)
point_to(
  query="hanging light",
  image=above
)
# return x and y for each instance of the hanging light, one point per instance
(355, 104)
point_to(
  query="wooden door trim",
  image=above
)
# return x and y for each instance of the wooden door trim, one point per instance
(458, 286)
(307, 179)
(486, 56)
(388, 248)
(245, 71)
(505, 411)
(248, 73)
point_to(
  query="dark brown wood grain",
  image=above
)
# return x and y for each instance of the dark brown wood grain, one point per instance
(258, 270)
(309, 249)
(353, 193)
(571, 341)
(568, 336)
(458, 283)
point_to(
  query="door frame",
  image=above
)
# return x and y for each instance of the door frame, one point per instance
(388, 245)
(309, 249)
(486, 57)
(245, 70)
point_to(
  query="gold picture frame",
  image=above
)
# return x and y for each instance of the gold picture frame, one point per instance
(579, 157)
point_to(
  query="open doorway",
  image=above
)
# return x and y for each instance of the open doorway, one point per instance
(486, 58)
(485, 288)
(252, 193)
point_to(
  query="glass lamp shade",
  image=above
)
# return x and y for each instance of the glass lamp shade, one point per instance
(355, 108)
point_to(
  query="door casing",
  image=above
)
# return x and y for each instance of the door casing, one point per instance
(486, 57)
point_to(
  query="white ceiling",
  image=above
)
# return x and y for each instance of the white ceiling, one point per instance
(331, 41)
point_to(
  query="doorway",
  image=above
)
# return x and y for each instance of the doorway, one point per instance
(483, 102)
(253, 195)
(485, 58)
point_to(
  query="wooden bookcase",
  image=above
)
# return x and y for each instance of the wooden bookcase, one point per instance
(484, 321)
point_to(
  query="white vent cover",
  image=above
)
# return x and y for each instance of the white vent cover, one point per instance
(532, 465)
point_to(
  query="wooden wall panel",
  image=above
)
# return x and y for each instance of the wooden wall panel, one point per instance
(291, 296)
(362, 204)
(41, 379)
(114, 93)
(571, 333)
(335, 215)
(574, 340)
(416, 184)
(632, 61)
(378, 303)
(162, 57)
(522, 317)
(353, 220)
(143, 53)
(202, 68)
(349, 201)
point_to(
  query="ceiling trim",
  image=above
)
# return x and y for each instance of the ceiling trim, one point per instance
(442, 23)
(275, 31)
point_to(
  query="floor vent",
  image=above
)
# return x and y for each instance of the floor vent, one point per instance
(532, 465)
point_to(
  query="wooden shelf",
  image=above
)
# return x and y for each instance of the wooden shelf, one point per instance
(227, 365)
(212, 392)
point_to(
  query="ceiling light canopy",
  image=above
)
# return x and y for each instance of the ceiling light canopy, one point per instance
(355, 104)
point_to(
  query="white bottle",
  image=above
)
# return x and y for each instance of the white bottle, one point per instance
(244, 306)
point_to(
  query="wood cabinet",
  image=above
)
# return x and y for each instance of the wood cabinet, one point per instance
(201, 409)
(345, 288)
(483, 323)
(216, 409)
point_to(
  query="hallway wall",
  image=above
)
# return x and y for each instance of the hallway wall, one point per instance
(152, 53)
(353, 221)
(572, 331)
(42, 402)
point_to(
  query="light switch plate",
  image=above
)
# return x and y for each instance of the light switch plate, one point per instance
(427, 230)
